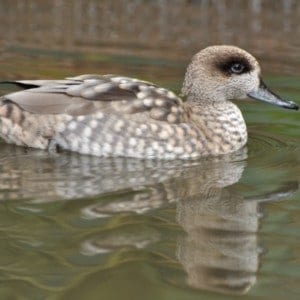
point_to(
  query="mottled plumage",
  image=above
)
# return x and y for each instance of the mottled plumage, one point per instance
(112, 115)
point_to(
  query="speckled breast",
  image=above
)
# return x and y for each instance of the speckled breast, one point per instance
(111, 135)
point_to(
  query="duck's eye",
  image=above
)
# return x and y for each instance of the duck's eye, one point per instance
(237, 68)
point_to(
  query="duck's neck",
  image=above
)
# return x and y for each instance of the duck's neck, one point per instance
(222, 125)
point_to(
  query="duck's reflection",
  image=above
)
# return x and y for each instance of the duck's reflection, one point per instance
(219, 251)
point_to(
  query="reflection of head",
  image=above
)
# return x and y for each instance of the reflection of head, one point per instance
(219, 252)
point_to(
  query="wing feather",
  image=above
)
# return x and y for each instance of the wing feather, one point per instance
(87, 94)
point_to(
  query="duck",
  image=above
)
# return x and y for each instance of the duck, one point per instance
(118, 116)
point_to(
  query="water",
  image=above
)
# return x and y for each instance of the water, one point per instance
(75, 227)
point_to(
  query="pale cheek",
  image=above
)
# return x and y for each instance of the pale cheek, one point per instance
(246, 83)
(252, 82)
(237, 88)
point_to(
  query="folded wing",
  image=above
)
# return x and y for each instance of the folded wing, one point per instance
(88, 94)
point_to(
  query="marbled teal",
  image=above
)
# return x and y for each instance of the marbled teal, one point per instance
(110, 115)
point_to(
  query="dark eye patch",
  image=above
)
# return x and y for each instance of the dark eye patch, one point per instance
(234, 65)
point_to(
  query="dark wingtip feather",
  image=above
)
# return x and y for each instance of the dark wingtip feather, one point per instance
(21, 84)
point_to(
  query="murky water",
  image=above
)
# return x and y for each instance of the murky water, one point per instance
(81, 227)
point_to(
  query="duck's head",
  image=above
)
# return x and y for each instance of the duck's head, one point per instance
(221, 73)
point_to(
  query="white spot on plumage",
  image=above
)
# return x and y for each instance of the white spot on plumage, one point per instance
(119, 125)
(154, 127)
(132, 142)
(163, 134)
(171, 118)
(93, 124)
(141, 145)
(109, 137)
(155, 145)
(80, 118)
(159, 102)
(87, 132)
(144, 127)
(72, 125)
(148, 102)
(138, 132)
(142, 95)
(194, 155)
(174, 109)
(106, 148)
(100, 115)
(169, 148)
